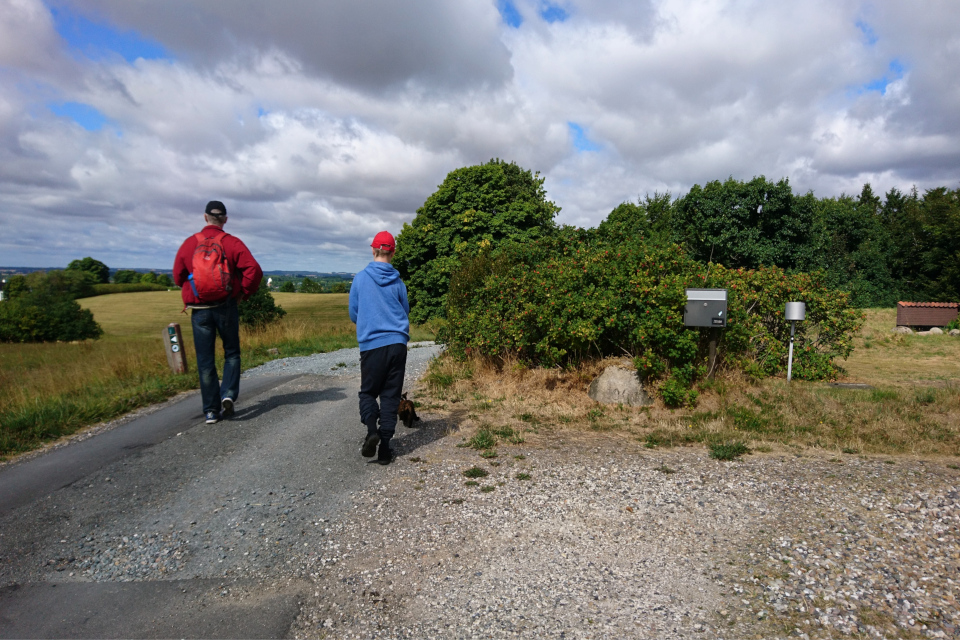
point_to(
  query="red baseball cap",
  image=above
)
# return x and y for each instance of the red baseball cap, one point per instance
(385, 241)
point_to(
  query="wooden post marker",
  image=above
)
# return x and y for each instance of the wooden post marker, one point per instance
(176, 354)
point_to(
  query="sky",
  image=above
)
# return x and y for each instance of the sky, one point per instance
(320, 123)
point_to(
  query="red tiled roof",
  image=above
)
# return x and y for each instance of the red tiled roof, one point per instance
(946, 305)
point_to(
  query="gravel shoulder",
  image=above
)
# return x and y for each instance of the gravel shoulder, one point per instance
(590, 535)
(614, 540)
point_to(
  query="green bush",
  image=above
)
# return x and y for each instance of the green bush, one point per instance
(44, 319)
(288, 287)
(42, 308)
(579, 295)
(260, 309)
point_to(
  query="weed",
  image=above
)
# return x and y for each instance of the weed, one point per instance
(476, 472)
(416, 460)
(341, 365)
(889, 462)
(488, 453)
(523, 476)
(728, 450)
(652, 441)
(665, 469)
(520, 456)
(595, 414)
(882, 395)
(471, 483)
(953, 466)
(925, 396)
(849, 450)
(565, 419)
(487, 488)
(746, 419)
(503, 432)
(483, 439)
(457, 500)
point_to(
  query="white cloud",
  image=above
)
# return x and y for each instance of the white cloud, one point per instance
(322, 123)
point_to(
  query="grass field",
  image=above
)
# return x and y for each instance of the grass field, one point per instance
(912, 408)
(52, 389)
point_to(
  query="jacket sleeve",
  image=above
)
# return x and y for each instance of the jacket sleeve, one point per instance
(403, 298)
(182, 263)
(354, 299)
(250, 272)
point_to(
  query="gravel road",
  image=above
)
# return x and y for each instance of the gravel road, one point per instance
(591, 536)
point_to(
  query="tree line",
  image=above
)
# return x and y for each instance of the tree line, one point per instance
(903, 246)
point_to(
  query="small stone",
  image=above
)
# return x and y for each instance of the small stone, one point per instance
(902, 330)
(274, 351)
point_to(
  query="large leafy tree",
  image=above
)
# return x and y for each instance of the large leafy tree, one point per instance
(99, 272)
(474, 210)
(746, 224)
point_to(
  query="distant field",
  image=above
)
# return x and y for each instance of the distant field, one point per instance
(49, 390)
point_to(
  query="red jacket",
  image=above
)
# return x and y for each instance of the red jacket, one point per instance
(246, 271)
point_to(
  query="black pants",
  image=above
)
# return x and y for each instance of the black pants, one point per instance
(381, 375)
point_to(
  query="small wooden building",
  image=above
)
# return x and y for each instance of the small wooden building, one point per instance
(927, 314)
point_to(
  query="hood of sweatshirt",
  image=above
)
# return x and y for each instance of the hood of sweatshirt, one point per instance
(382, 273)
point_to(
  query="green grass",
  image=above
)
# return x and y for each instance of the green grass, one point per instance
(54, 389)
(476, 472)
(728, 450)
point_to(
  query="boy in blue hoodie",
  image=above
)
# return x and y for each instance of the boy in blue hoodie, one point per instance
(379, 308)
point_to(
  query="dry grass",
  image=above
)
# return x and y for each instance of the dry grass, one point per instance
(51, 389)
(913, 409)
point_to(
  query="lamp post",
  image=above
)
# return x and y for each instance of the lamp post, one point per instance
(796, 312)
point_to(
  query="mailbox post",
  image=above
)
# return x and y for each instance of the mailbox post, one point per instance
(173, 341)
(707, 308)
(795, 312)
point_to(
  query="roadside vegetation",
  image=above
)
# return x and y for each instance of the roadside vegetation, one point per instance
(912, 408)
(48, 390)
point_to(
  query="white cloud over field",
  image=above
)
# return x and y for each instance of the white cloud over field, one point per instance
(321, 123)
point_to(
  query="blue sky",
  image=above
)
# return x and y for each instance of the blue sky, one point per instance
(363, 108)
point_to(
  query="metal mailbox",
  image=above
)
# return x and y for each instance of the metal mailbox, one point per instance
(706, 308)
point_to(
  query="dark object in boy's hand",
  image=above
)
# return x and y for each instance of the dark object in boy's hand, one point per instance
(406, 412)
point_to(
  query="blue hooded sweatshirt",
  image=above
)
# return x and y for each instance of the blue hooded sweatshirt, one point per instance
(379, 307)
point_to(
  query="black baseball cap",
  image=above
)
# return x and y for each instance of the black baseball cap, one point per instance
(216, 208)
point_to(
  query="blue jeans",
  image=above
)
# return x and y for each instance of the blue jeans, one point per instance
(224, 320)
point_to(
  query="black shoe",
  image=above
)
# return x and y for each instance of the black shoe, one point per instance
(384, 454)
(369, 448)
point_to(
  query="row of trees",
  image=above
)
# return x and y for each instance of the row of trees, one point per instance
(904, 246)
(309, 285)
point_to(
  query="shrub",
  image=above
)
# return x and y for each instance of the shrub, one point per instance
(45, 319)
(577, 295)
(288, 287)
(42, 308)
(260, 309)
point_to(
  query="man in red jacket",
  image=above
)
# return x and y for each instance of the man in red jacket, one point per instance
(214, 307)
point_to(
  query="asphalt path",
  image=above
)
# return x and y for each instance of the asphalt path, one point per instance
(168, 527)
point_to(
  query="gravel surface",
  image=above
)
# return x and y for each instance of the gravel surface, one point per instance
(344, 362)
(590, 536)
(617, 541)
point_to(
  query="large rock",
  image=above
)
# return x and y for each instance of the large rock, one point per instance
(936, 331)
(617, 385)
(902, 330)
(955, 332)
